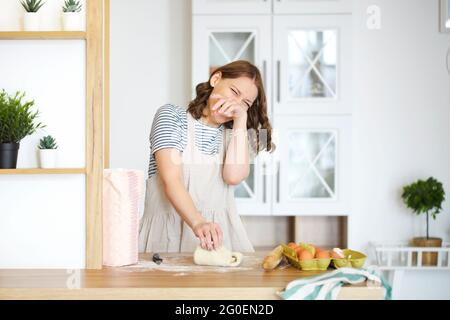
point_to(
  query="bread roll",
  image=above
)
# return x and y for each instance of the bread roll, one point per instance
(274, 258)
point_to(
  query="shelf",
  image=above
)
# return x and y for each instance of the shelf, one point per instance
(43, 171)
(402, 256)
(44, 35)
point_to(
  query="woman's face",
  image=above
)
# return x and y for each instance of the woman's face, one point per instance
(242, 89)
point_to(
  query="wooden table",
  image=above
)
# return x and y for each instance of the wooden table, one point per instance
(176, 278)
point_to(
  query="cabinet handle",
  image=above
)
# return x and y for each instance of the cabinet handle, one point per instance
(278, 181)
(448, 60)
(265, 74)
(264, 183)
(278, 80)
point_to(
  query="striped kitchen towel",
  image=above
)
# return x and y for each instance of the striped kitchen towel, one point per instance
(327, 286)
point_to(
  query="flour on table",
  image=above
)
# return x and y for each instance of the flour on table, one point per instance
(183, 264)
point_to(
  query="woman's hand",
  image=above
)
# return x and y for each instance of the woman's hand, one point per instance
(209, 233)
(230, 107)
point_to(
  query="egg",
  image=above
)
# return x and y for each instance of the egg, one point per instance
(298, 251)
(322, 254)
(308, 247)
(306, 255)
(337, 253)
(292, 245)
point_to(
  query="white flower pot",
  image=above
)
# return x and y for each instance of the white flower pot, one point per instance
(71, 21)
(31, 21)
(47, 158)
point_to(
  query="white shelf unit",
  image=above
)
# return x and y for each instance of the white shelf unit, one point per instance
(402, 256)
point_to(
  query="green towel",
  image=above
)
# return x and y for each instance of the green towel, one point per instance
(327, 286)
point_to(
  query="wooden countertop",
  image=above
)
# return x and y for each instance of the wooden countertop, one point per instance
(176, 278)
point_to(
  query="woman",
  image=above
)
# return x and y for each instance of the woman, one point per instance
(197, 156)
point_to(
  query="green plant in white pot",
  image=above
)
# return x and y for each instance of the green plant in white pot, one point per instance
(31, 16)
(71, 15)
(47, 152)
(17, 121)
(425, 197)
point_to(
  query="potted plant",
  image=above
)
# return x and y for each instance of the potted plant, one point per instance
(47, 152)
(31, 17)
(16, 122)
(71, 15)
(425, 197)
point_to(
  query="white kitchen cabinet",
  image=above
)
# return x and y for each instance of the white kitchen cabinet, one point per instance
(305, 61)
(313, 165)
(217, 41)
(311, 6)
(312, 57)
(231, 6)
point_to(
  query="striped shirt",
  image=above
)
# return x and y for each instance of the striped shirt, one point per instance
(169, 130)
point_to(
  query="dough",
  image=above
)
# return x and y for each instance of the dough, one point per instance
(220, 257)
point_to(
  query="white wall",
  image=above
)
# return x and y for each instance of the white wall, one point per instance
(150, 66)
(42, 217)
(401, 108)
(401, 132)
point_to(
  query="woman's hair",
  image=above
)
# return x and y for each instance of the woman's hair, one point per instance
(257, 119)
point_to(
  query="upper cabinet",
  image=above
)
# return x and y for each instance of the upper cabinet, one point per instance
(312, 56)
(270, 6)
(312, 6)
(303, 50)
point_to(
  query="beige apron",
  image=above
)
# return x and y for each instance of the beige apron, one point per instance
(161, 229)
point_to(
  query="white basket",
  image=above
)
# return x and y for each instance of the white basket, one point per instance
(401, 255)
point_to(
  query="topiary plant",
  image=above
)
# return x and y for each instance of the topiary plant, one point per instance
(424, 197)
(16, 118)
(72, 6)
(47, 142)
(32, 5)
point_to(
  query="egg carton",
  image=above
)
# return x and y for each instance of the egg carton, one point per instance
(352, 259)
(307, 265)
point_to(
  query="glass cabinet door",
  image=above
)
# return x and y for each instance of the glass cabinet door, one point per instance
(220, 40)
(225, 47)
(312, 64)
(314, 166)
(312, 6)
(231, 6)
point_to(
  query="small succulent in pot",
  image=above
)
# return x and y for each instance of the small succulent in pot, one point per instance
(31, 18)
(47, 142)
(47, 152)
(32, 5)
(71, 15)
(72, 6)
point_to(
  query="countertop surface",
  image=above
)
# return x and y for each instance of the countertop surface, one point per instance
(177, 277)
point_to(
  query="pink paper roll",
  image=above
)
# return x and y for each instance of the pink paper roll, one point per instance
(122, 191)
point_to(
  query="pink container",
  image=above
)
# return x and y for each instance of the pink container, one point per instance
(122, 191)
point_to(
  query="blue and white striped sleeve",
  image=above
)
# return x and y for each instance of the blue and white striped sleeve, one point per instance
(167, 129)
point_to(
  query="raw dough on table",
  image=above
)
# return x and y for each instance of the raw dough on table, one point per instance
(220, 257)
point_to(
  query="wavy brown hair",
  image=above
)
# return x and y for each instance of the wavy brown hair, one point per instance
(257, 118)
